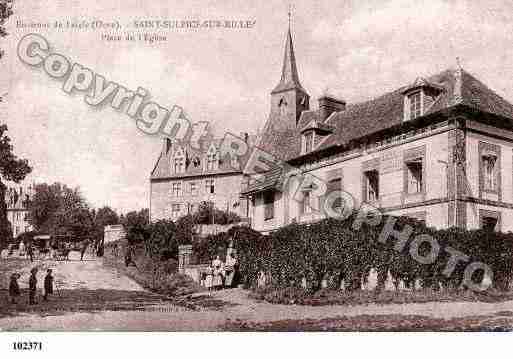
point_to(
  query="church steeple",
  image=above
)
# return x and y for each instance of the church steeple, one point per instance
(289, 76)
(288, 101)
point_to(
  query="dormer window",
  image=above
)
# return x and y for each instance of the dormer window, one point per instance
(415, 100)
(308, 141)
(179, 164)
(419, 96)
(212, 160)
(179, 161)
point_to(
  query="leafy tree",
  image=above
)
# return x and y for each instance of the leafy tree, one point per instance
(44, 205)
(136, 225)
(5, 12)
(11, 169)
(185, 229)
(73, 216)
(105, 216)
(58, 209)
(162, 240)
(208, 214)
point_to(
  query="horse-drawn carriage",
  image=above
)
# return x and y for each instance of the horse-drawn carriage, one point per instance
(44, 246)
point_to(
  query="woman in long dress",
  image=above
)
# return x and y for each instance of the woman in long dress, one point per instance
(209, 274)
(230, 268)
(217, 281)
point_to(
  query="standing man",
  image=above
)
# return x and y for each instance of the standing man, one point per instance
(32, 286)
(21, 249)
(85, 244)
(48, 284)
(231, 267)
(30, 252)
(14, 288)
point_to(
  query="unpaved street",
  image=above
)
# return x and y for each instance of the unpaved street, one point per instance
(93, 297)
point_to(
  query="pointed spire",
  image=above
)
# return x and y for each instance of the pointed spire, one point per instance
(289, 76)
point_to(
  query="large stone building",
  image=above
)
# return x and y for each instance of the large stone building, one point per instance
(185, 176)
(439, 149)
(17, 199)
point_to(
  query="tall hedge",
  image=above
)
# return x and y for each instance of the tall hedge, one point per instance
(332, 250)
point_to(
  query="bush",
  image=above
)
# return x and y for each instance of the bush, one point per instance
(208, 214)
(332, 250)
(159, 276)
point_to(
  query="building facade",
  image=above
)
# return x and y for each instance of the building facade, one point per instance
(185, 176)
(439, 149)
(17, 199)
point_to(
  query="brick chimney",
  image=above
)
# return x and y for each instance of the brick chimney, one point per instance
(329, 104)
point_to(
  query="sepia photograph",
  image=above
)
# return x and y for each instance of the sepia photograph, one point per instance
(236, 166)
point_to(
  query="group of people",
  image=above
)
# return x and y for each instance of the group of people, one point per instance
(24, 250)
(221, 275)
(14, 287)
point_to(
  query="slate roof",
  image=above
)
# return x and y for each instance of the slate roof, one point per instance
(366, 118)
(271, 179)
(163, 170)
(289, 75)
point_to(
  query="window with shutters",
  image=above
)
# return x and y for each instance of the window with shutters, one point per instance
(176, 189)
(193, 188)
(210, 186)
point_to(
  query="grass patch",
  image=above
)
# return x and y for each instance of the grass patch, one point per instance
(381, 323)
(333, 297)
(155, 275)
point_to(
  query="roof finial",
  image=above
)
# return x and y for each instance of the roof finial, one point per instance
(458, 62)
(290, 14)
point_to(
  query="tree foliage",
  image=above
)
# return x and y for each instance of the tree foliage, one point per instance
(5, 13)
(58, 209)
(136, 225)
(208, 214)
(11, 169)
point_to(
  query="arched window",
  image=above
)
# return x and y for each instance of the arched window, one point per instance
(282, 105)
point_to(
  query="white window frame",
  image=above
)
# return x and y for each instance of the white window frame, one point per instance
(193, 187)
(371, 193)
(176, 189)
(212, 162)
(306, 203)
(210, 184)
(489, 172)
(418, 110)
(304, 144)
(415, 183)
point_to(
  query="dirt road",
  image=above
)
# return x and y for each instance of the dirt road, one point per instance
(93, 297)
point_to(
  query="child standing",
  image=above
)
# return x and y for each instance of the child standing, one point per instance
(14, 288)
(48, 284)
(32, 286)
(209, 278)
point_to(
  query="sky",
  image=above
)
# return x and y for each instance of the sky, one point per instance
(355, 50)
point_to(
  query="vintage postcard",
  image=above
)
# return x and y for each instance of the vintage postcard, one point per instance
(237, 166)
